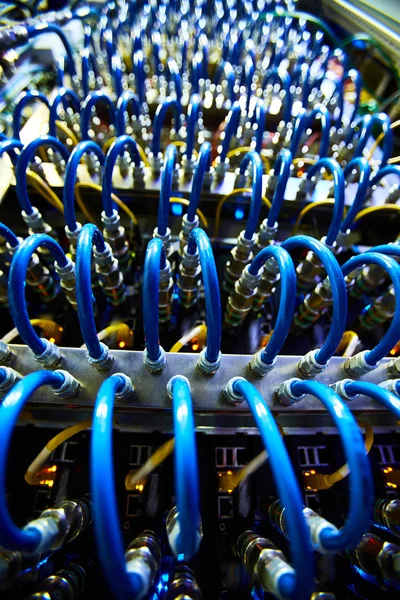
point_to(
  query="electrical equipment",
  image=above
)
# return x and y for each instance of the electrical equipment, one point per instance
(199, 292)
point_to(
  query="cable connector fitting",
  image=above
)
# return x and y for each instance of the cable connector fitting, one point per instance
(70, 387)
(173, 529)
(127, 390)
(104, 362)
(284, 394)
(258, 367)
(68, 280)
(155, 366)
(171, 383)
(187, 227)
(205, 366)
(138, 175)
(111, 223)
(11, 377)
(156, 163)
(221, 168)
(318, 525)
(308, 365)
(229, 394)
(392, 385)
(143, 558)
(48, 531)
(73, 237)
(51, 356)
(5, 352)
(36, 222)
(394, 367)
(188, 166)
(266, 234)
(241, 255)
(357, 365)
(166, 238)
(340, 388)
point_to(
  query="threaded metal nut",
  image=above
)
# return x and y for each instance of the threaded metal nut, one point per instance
(317, 526)
(394, 367)
(127, 389)
(392, 385)
(155, 366)
(50, 356)
(11, 377)
(104, 362)
(171, 382)
(205, 366)
(5, 352)
(48, 531)
(111, 223)
(284, 394)
(229, 394)
(308, 365)
(357, 365)
(70, 387)
(340, 388)
(67, 272)
(258, 367)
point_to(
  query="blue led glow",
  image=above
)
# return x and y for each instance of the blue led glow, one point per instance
(180, 557)
(239, 214)
(177, 209)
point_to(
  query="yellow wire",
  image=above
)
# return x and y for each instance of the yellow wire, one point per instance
(244, 149)
(44, 190)
(200, 331)
(228, 197)
(306, 161)
(307, 209)
(68, 132)
(181, 144)
(142, 153)
(394, 160)
(97, 188)
(185, 202)
(380, 138)
(136, 478)
(50, 329)
(373, 209)
(348, 343)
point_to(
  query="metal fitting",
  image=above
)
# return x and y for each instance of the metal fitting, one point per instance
(112, 223)
(318, 525)
(221, 168)
(208, 178)
(241, 300)
(156, 163)
(392, 385)
(103, 258)
(205, 366)
(284, 394)
(143, 558)
(340, 388)
(366, 280)
(241, 255)
(165, 290)
(394, 367)
(49, 533)
(188, 166)
(68, 280)
(308, 365)
(389, 562)
(173, 529)
(258, 367)
(240, 179)
(138, 175)
(73, 238)
(187, 227)
(387, 514)
(171, 383)
(92, 162)
(266, 235)
(127, 390)
(229, 394)
(306, 187)
(380, 311)
(35, 222)
(51, 355)
(309, 271)
(394, 195)
(70, 387)
(315, 304)
(38, 277)
(166, 238)
(155, 366)
(124, 164)
(5, 352)
(104, 362)
(109, 275)
(183, 585)
(269, 277)
(357, 365)
(343, 238)
(10, 567)
(11, 377)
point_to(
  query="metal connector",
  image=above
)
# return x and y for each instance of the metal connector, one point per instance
(357, 365)
(241, 255)
(127, 390)
(284, 394)
(220, 169)
(229, 394)
(340, 388)
(205, 366)
(187, 227)
(166, 238)
(394, 367)
(51, 356)
(183, 585)
(70, 387)
(318, 526)
(171, 383)
(258, 367)
(10, 378)
(241, 300)
(269, 278)
(35, 222)
(104, 362)
(308, 365)
(392, 385)
(143, 558)
(68, 280)
(5, 352)
(266, 235)
(73, 238)
(155, 366)
(173, 530)
(189, 278)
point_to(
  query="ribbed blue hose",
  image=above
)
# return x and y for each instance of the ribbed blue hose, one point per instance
(338, 289)
(16, 285)
(64, 96)
(288, 492)
(282, 171)
(9, 147)
(166, 189)
(392, 268)
(91, 100)
(364, 173)
(256, 190)
(388, 170)
(122, 143)
(202, 167)
(230, 129)
(360, 476)
(85, 147)
(126, 100)
(287, 297)
(198, 238)
(107, 527)
(159, 119)
(45, 28)
(154, 261)
(8, 235)
(28, 98)
(88, 237)
(389, 400)
(320, 109)
(192, 122)
(186, 468)
(331, 165)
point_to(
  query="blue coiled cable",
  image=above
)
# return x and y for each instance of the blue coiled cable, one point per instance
(158, 122)
(388, 170)
(392, 268)
(64, 96)
(88, 237)
(28, 98)
(9, 147)
(192, 122)
(166, 188)
(364, 172)
(334, 169)
(110, 545)
(90, 101)
(126, 100)
(116, 149)
(71, 171)
(287, 297)
(230, 129)
(281, 76)
(338, 289)
(202, 167)
(360, 476)
(367, 123)
(25, 157)
(186, 468)
(9, 236)
(11, 536)
(282, 172)
(301, 587)
(377, 393)
(260, 115)
(154, 261)
(16, 285)
(256, 191)
(199, 239)
(44, 28)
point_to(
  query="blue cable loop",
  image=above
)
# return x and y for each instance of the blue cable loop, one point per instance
(368, 122)
(249, 70)
(9, 236)
(106, 522)
(176, 77)
(116, 70)
(260, 115)
(287, 297)
(88, 237)
(192, 122)
(360, 476)
(159, 119)
(11, 536)
(44, 28)
(338, 289)
(63, 97)
(196, 73)
(25, 100)
(256, 191)
(121, 143)
(339, 90)
(126, 100)
(166, 189)
(301, 551)
(364, 173)
(388, 170)
(71, 171)
(16, 285)
(156, 41)
(355, 76)
(155, 260)
(198, 238)
(230, 129)
(392, 268)
(25, 157)
(109, 45)
(298, 130)
(281, 76)
(335, 169)
(230, 81)
(389, 249)
(9, 147)
(85, 70)
(377, 393)
(282, 171)
(140, 77)
(186, 468)
(202, 167)
(90, 101)
(320, 109)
